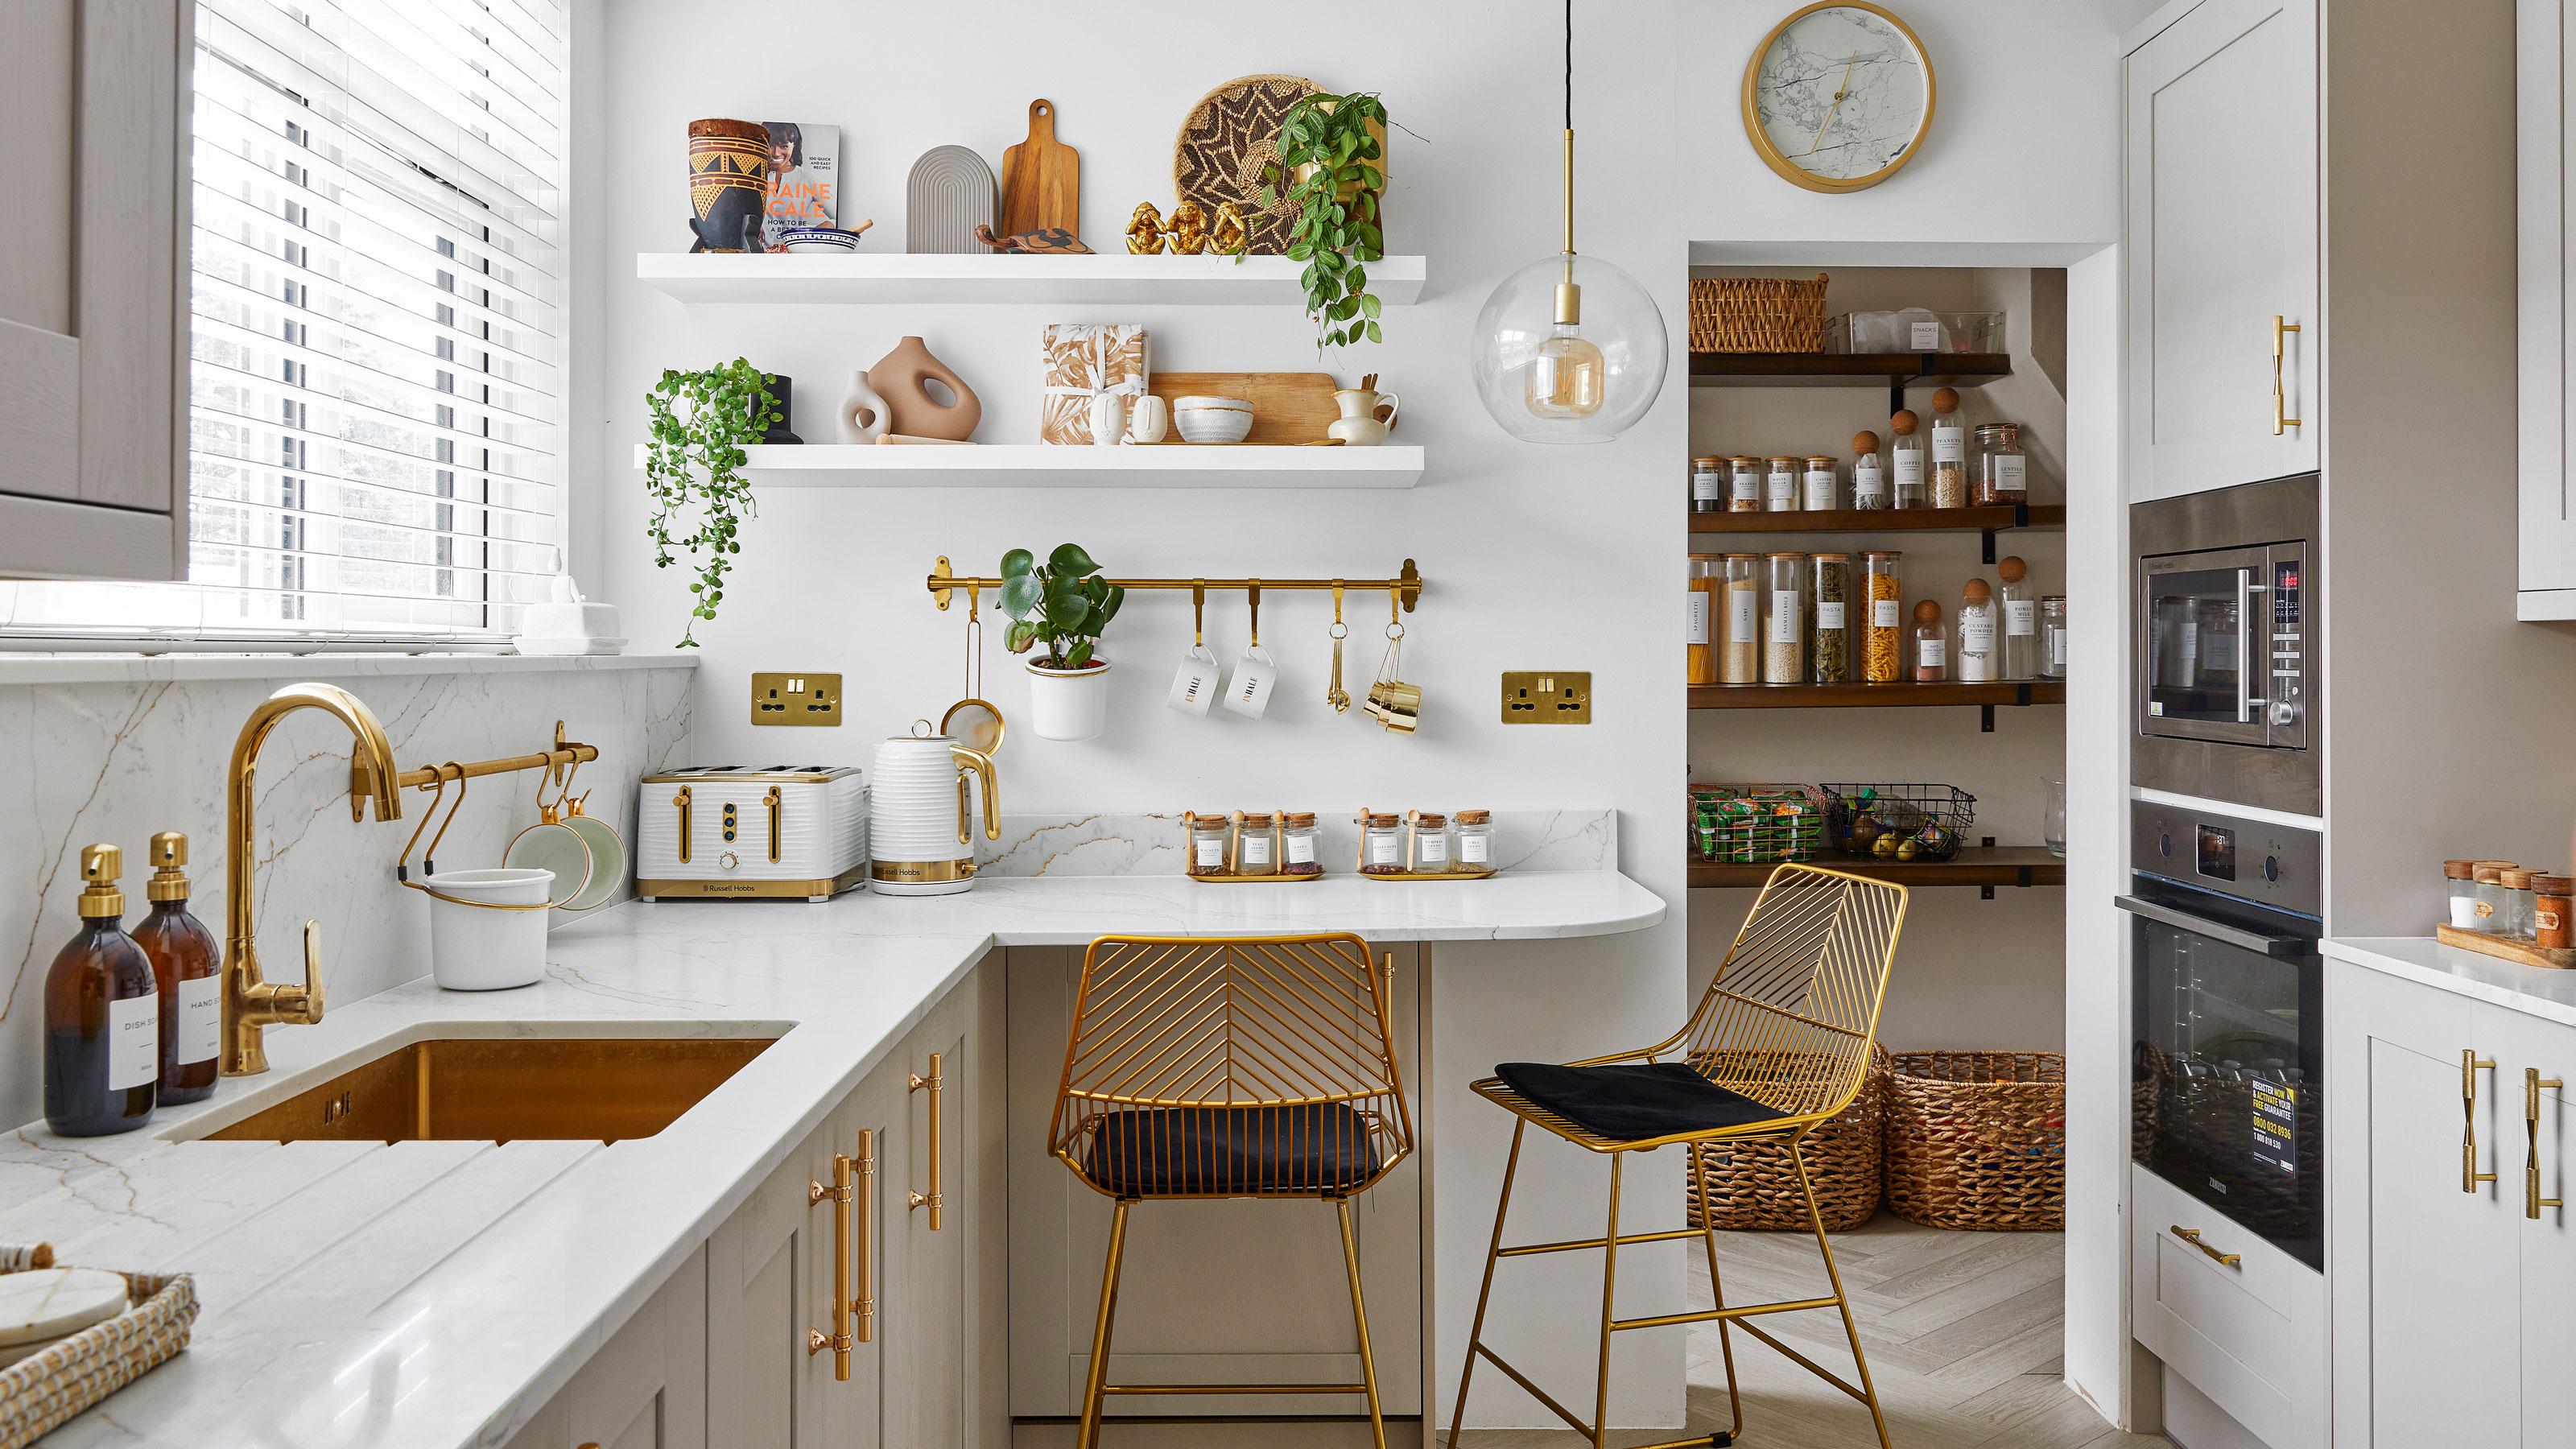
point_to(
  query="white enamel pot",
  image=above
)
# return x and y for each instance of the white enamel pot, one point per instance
(1069, 704)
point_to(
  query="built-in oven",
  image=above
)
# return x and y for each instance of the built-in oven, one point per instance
(2222, 597)
(2227, 1085)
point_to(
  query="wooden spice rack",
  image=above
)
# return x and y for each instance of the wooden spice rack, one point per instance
(2521, 950)
(1234, 853)
(1412, 830)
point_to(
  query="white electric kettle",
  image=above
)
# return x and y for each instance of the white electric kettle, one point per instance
(921, 824)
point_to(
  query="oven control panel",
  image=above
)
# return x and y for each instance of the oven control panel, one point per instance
(2263, 861)
(2289, 637)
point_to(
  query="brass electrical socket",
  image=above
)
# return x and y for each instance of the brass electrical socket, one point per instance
(1547, 696)
(795, 699)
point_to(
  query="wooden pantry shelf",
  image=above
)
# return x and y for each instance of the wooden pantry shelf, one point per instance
(1987, 697)
(1987, 521)
(1104, 280)
(1032, 465)
(1985, 867)
(1897, 370)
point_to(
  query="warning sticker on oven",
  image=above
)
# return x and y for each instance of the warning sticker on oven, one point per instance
(2276, 1107)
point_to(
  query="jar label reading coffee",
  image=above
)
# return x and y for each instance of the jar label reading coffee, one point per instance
(1695, 626)
(1256, 850)
(1784, 616)
(1211, 853)
(1743, 616)
(200, 1018)
(2021, 616)
(1909, 467)
(1829, 613)
(2005, 472)
(1301, 850)
(1882, 613)
(134, 1041)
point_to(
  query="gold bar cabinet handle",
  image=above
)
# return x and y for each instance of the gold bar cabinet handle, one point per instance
(777, 802)
(838, 1340)
(864, 1305)
(2281, 420)
(681, 800)
(2192, 1236)
(2470, 1066)
(934, 1084)
(2532, 1082)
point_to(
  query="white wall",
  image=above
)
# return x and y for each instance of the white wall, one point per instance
(1534, 557)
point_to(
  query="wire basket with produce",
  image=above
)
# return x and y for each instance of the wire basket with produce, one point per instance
(1756, 824)
(1898, 822)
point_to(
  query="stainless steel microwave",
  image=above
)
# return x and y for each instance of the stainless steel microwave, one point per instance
(2223, 596)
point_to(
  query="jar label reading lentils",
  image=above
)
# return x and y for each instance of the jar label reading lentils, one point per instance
(2004, 472)
(1256, 851)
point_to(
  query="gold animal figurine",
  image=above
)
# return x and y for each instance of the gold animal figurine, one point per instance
(1189, 231)
(1229, 238)
(1145, 230)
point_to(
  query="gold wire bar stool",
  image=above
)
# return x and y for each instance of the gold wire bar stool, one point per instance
(1249, 1066)
(1779, 1046)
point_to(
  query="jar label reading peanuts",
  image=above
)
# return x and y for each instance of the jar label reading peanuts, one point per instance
(1743, 616)
(1829, 613)
(1784, 616)
(1883, 613)
(2021, 616)
(1949, 445)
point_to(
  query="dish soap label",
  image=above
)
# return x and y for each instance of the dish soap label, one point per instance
(133, 1042)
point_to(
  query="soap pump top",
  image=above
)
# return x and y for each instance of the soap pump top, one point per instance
(169, 868)
(100, 900)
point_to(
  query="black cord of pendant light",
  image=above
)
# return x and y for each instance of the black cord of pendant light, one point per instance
(1569, 64)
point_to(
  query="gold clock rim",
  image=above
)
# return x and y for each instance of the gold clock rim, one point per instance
(1789, 170)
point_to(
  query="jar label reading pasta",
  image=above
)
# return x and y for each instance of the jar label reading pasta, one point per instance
(1829, 614)
(1882, 613)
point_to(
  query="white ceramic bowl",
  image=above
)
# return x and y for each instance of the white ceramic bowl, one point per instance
(472, 949)
(819, 239)
(1212, 419)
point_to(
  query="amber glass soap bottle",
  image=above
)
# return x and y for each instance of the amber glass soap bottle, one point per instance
(102, 1015)
(185, 959)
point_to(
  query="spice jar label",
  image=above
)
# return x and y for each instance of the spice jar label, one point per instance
(1474, 849)
(1256, 850)
(2021, 616)
(1705, 488)
(1301, 850)
(1743, 616)
(1882, 613)
(1931, 653)
(1385, 849)
(1820, 491)
(1746, 488)
(1211, 853)
(1784, 492)
(1784, 616)
(1432, 850)
(1829, 613)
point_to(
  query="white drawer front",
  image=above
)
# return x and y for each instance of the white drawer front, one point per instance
(2250, 1335)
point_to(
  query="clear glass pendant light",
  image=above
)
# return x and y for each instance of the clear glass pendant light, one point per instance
(1569, 349)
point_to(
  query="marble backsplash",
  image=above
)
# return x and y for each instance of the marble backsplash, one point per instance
(1133, 844)
(119, 761)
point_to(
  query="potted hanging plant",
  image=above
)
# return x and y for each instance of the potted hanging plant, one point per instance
(1332, 167)
(1064, 604)
(700, 422)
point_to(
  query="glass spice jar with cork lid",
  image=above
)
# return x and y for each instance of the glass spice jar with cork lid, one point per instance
(2459, 884)
(1208, 835)
(2491, 908)
(2551, 909)
(1823, 486)
(1298, 839)
(1780, 486)
(1743, 484)
(2002, 479)
(1869, 480)
(1475, 839)
(2520, 905)
(1381, 845)
(1430, 842)
(1708, 485)
(1256, 845)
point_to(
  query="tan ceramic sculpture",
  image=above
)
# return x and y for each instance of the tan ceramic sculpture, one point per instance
(899, 378)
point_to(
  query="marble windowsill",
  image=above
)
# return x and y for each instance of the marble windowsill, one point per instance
(60, 667)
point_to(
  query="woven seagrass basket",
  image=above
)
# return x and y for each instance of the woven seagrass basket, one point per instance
(42, 1392)
(1977, 1140)
(1757, 314)
(1751, 1185)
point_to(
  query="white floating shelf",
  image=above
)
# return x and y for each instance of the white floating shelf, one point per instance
(1031, 465)
(897, 277)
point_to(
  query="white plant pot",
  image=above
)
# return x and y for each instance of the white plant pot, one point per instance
(1069, 704)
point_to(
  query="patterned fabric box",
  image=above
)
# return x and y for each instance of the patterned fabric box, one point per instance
(1082, 358)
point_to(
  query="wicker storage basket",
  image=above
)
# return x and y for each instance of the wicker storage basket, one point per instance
(1757, 314)
(1977, 1140)
(41, 1393)
(1751, 1184)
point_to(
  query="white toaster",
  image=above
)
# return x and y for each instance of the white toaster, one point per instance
(751, 831)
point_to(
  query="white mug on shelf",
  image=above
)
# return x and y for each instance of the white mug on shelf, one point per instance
(1255, 674)
(1197, 683)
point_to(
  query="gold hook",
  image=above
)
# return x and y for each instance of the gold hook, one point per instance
(1198, 608)
(565, 793)
(1395, 606)
(1256, 613)
(974, 597)
(429, 858)
(1337, 601)
(438, 779)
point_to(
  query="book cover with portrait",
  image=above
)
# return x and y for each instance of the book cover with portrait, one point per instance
(804, 179)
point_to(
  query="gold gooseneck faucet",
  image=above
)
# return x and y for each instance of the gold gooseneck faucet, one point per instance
(252, 1003)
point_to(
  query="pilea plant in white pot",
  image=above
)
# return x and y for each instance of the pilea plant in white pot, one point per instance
(1065, 604)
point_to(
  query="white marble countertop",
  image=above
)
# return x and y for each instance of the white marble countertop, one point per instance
(428, 1295)
(2532, 990)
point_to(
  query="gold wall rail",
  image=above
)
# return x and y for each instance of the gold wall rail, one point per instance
(566, 752)
(1407, 585)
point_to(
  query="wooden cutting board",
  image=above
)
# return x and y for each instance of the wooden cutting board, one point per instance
(1287, 407)
(1041, 179)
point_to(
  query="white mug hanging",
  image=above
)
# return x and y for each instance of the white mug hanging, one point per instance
(1255, 673)
(1108, 419)
(1149, 418)
(1196, 684)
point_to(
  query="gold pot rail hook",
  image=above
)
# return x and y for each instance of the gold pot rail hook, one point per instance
(1256, 613)
(1198, 608)
(402, 866)
(943, 582)
(555, 762)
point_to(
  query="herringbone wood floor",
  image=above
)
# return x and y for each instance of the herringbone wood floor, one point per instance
(1962, 1331)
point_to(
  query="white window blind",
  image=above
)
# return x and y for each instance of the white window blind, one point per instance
(377, 338)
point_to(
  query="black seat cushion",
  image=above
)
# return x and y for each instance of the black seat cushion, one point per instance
(1314, 1147)
(1629, 1103)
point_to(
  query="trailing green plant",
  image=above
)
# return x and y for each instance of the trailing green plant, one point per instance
(1063, 602)
(1333, 225)
(699, 422)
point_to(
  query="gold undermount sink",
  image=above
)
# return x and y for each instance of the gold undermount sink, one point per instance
(504, 1089)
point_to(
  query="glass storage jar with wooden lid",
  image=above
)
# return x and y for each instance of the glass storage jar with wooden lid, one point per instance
(2459, 884)
(1208, 832)
(1780, 485)
(1298, 842)
(1829, 650)
(1256, 845)
(2002, 479)
(2551, 925)
(1430, 841)
(1738, 623)
(1699, 652)
(1784, 619)
(1708, 485)
(1475, 839)
(1744, 484)
(2518, 901)
(1882, 631)
(1822, 485)
(1382, 845)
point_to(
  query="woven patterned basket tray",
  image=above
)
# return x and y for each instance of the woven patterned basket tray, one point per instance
(1752, 1184)
(39, 1394)
(1977, 1140)
(1757, 314)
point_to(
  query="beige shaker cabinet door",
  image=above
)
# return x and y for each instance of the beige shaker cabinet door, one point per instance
(93, 301)
(770, 1284)
(646, 1388)
(944, 1332)
(2548, 1272)
(2221, 237)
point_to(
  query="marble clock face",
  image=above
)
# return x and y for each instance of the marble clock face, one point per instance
(1838, 97)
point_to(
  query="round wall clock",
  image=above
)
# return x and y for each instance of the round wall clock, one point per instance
(1838, 96)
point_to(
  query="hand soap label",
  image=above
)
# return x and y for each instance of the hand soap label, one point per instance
(133, 1041)
(200, 1012)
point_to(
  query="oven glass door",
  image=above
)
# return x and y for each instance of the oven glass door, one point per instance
(2203, 669)
(2226, 1071)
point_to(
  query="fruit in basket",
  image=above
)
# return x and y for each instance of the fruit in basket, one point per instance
(1886, 846)
(1864, 835)
(1907, 848)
